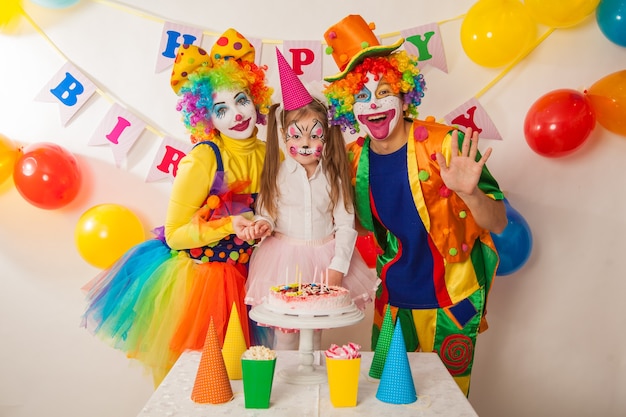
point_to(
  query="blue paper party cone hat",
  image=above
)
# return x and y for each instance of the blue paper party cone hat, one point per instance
(396, 384)
(382, 345)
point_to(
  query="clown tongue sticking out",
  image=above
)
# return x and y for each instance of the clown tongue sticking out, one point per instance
(377, 108)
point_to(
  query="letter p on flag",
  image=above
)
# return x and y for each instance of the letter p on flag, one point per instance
(70, 89)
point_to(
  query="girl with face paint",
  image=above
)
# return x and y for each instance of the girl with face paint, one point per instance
(160, 298)
(305, 203)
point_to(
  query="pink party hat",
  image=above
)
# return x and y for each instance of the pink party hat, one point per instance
(382, 345)
(211, 385)
(295, 95)
(396, 384)
(234, 345)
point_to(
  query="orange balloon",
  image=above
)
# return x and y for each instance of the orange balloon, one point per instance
(608, 99)
(8, 155)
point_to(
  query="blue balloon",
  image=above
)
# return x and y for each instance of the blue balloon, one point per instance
(55, 4)
(611, 18)
(514, 244)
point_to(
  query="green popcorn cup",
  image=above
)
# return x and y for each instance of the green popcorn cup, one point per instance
(258, 375)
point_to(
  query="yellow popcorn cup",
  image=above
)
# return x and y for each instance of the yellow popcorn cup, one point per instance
(343, 381)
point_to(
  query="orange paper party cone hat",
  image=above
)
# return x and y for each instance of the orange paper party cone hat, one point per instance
(234, 345)
(382, 345)
(212, 385)
(396, 384)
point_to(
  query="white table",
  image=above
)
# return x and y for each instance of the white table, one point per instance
(438, 394)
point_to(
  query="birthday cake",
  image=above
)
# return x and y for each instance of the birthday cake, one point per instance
(309, 299)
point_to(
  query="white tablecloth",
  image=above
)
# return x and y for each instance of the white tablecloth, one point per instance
(438, 394)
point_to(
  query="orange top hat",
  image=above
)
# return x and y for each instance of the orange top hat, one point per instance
(230, 45)
(352, 40)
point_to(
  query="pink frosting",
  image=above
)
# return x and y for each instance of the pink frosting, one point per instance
(349, 351)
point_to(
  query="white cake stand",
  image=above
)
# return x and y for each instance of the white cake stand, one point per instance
(305, 373)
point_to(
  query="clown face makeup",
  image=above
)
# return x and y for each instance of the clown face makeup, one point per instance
(377, 108)
(304, 139)
(234, 114)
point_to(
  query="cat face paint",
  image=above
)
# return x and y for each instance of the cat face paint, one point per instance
(305, 138)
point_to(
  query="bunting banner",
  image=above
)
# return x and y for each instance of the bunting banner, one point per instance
(472, 114)
(257, 43)
(120, 129)
(172, 37)
(426, 44)
(70, 89)
(305, 57)
(168, 155)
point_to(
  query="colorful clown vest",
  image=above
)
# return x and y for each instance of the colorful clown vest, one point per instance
(445, 216)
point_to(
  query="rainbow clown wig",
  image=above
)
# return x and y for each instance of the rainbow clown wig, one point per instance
(196, 95)
(399, 69)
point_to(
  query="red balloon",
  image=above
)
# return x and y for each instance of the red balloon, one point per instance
(559, 122)
(47, 175)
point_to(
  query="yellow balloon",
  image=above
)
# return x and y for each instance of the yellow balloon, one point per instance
(9, 14)
(608, 100)
(561, 13)
(105, 232)
(495, 32)
(8, 155)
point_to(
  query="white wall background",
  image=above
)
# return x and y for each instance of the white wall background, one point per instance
(556, 340)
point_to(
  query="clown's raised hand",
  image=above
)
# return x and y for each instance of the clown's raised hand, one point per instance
(462, 173)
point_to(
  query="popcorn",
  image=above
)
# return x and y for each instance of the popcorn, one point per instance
(349, 351)
(259, 353)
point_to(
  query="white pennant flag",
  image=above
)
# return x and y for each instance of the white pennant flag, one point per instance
(172, 37)
(472, 114)
(70, 89)
(165, 163)
(120, 129)
(425, 42)
(305, 57)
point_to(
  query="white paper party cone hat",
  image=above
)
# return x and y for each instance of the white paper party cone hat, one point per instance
(382, 345)
(234, 345)
(396, 384)
(211, 385)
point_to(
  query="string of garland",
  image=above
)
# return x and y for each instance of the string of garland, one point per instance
(142, 14)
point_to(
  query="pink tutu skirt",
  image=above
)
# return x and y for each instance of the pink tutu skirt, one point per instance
(276, 259)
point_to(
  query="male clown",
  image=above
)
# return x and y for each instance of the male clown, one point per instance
(424, 190)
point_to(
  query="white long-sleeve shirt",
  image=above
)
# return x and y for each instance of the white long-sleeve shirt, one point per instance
(304, 212)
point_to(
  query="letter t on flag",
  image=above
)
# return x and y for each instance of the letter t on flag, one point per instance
(68, 87)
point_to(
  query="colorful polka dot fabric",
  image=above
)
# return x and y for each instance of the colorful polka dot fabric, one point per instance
(212, 385)
(396, 384)
(230, 45)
